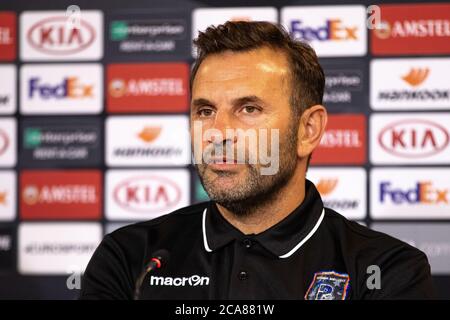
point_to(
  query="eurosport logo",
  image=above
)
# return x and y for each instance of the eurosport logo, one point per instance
(412, 29)
(410, 138)
(145, 194)
(8, 37)
(54, 35)
(407, 84)
(333, 31)
(148, 87)
(8, 89)
(192, 281)
(147, 141)
(61, 89)
(412, 193)
(344, 140)
(341, 189)
(55, 248)
(202, 18)
(7, 195)
(8, 142)
(61, 194)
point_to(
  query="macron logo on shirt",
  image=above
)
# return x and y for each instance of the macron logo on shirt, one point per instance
(191, 281)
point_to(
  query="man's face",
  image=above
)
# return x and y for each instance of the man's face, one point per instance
(248, 90)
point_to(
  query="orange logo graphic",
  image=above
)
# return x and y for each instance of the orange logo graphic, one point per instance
(30, 195)
(117, 88)
(242, 18)
(416, 76)
(148, 134)
(3, 198)
(326, 186)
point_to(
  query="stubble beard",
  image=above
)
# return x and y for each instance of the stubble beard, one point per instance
(255, 190)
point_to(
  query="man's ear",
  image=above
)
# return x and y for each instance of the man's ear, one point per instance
(312, 126)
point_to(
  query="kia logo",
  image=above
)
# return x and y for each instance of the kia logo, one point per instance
(413, 138)
(147, 194)
(55, 36)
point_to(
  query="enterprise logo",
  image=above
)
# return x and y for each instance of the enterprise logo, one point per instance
(192, 281)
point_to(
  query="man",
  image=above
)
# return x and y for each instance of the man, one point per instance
(265, 233)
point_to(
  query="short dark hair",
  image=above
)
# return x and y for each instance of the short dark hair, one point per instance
(307, 77)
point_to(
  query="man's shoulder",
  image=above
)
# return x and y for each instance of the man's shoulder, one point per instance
(181, 218)
(403, 269)
(366, 242)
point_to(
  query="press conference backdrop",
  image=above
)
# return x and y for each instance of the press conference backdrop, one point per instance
(94, 123)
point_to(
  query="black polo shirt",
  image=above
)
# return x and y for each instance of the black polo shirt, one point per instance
(314, 253)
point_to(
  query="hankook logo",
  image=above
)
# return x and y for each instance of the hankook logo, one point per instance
(416, 76)
(326, 186)
(192, 281)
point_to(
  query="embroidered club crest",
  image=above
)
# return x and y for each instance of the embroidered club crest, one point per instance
(328, 285)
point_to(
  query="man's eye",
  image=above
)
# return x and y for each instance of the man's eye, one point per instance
(250, 109)
(205, 112)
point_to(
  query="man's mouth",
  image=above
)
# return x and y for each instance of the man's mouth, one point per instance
(221, 160)
(222, 164)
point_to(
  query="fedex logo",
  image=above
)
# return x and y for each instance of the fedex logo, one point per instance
(422, 192)
(409, 193)
(333, 29)
(69, 87)
(61, 88)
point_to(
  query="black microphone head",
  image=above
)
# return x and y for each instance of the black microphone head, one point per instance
(162, 255)
(158, 259)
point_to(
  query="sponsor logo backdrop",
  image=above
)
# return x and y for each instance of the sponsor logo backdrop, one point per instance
(94, 120)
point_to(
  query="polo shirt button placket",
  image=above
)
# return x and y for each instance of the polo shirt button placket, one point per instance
(247, 243)
(243, 275)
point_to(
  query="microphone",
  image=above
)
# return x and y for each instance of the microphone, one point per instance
(158, 260)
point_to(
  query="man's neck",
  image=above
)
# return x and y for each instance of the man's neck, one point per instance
(262, 218)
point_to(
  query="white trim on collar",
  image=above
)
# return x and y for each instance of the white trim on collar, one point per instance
(287, 255)
(205, 240)
(309, 235)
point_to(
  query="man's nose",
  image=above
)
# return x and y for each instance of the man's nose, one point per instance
(224, 127)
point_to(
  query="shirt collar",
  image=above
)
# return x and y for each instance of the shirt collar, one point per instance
(283, 239)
